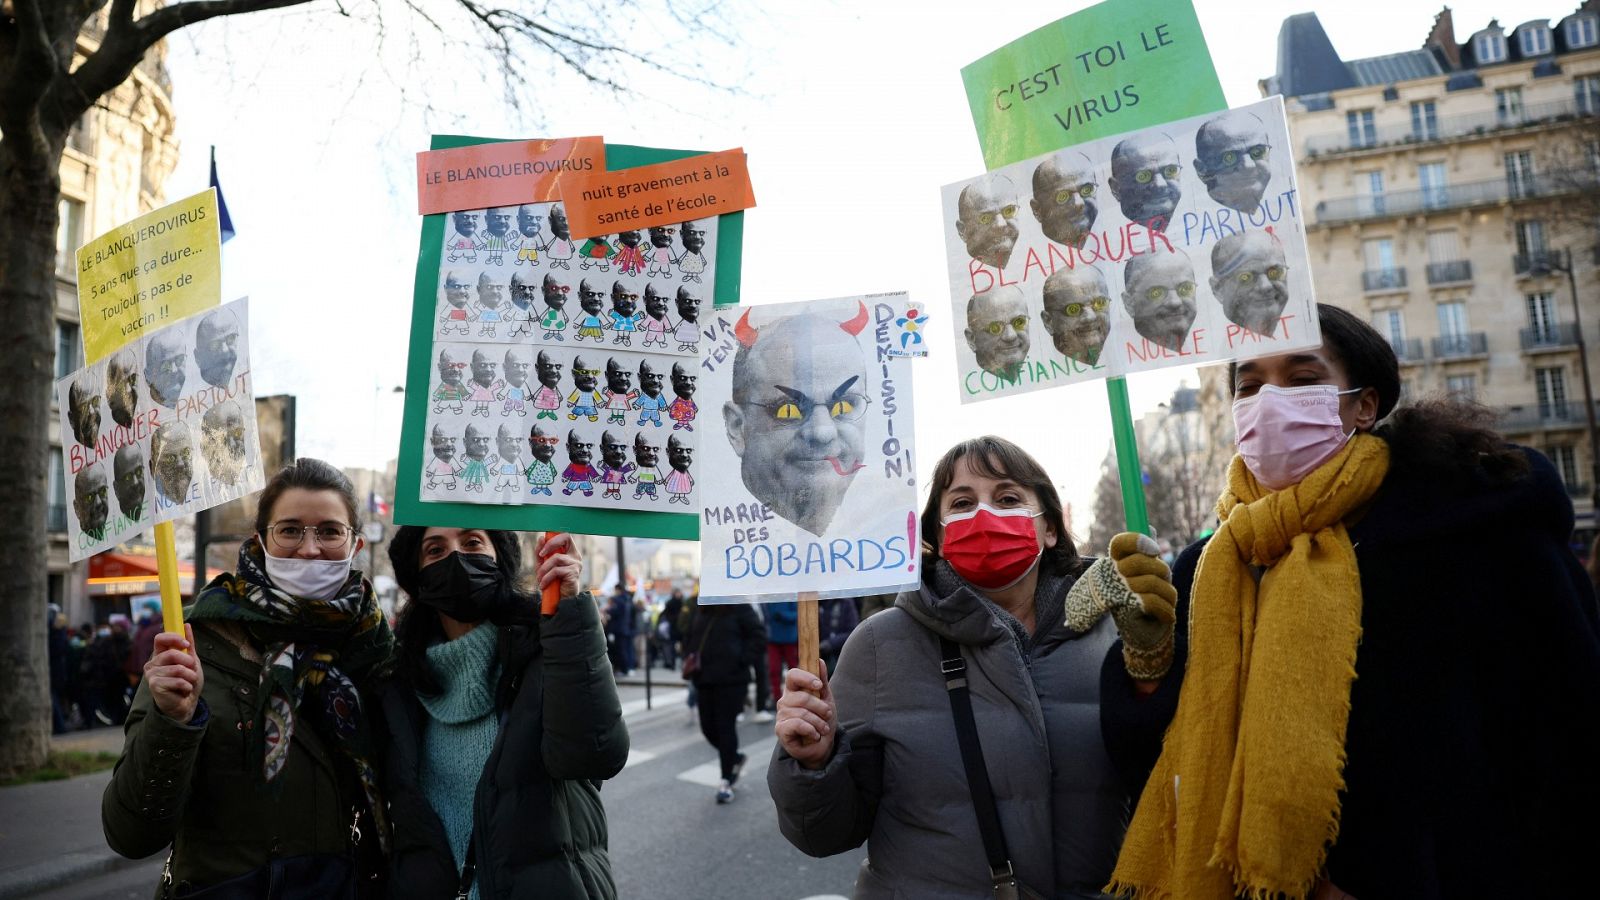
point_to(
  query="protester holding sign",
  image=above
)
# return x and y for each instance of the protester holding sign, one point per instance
(248, 746)
(1011, 619)
(501, 722)
(1374, 706)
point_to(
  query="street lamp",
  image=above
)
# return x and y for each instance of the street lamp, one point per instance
(1562, 262)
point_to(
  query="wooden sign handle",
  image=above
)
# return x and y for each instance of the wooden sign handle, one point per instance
(808, 633)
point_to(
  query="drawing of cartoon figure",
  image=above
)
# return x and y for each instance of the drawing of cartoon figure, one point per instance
(692, 261)
(624, 314)
(547, 399)
(554, 319)
(651, 404)
(500, 237)
(597, 251)
(450, 392)
(585, 401)
(476, 469)
(614, 465)
(443, 468)
(679, 481)
(488, 310)
(522, 312)
(541, 472)
(485, 387)
(910, 326)
(528, 220)
(456, 294)
(463, 242)
(579, 474)
(647, 472)
(683, 408)
(559, 247)
(687, 332)
(656, 322)
(590, 322)
(619, 392)
(507, 466)
(517, 392)
(630, 257)
(660, 252)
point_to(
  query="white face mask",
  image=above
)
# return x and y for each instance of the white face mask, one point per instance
(310, 579)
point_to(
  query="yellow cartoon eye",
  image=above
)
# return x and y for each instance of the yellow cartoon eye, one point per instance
(1074, 309)
(1230, 157)
(1144, 176)
(987, 218)
(1086, 191)
(1259, 151)
(1099, 304)
(1275, 273)
(1246, 277)
(1186, 289)
(1156, 293)
(1020, 323)
(1169, 172)
(995, 328)
(840, 409)
(788, 412)
(1009, 212)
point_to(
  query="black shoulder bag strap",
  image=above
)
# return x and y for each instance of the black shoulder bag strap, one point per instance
(954, 669)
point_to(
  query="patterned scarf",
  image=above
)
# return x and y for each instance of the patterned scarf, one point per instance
(317, 648)
(1244, 801)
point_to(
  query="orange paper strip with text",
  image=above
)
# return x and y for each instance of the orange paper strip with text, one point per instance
(711, 184)
(503, 174)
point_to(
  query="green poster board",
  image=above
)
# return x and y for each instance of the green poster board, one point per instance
(409, 508)
(1117, 66)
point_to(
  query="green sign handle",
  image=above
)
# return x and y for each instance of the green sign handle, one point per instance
(1129, 472)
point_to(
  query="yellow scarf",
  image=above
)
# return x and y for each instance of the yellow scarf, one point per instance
(1245, 798)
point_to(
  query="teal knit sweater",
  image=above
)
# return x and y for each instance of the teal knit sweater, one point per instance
(460, 731)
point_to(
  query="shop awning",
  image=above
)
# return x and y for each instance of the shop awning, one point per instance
(132, 573)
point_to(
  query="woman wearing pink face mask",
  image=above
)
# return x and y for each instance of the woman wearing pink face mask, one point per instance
(1012, 626)
(1393, 658)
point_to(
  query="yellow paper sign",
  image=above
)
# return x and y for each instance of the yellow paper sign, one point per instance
(149, 272)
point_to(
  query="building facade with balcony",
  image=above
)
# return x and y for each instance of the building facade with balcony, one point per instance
(114, 168)
(1449, 190)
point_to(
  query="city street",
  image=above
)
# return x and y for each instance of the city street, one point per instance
(669, 838)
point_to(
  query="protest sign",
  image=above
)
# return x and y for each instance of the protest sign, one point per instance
(149, 272)
(502, 173)
(165, 427)
(1175, 245)
(1115, 67)
(548, 372)
(817, 422)
(662, 194)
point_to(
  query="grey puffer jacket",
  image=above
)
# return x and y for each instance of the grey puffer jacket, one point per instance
(1066, 742)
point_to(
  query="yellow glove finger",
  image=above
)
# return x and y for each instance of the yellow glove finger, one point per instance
(1140, 564)
(1158, 598)
(1130, 542)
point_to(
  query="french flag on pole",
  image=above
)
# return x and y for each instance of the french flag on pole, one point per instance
(376, 504)
(226, 224)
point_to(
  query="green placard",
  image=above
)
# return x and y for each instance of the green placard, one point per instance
(408, 507)
(1117, 66)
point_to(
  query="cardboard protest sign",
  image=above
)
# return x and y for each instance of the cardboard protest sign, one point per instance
(165, 427)
(549, 373)
(503, 172)
(817, 423)
(1115, 67)
(1176, 245)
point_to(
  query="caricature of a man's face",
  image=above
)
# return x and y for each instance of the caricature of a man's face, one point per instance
(629, 238)
(558, 223)
(482, 368)
(83, 409)
(590, 297)
(488, 292)
(1250, 278)
(623, 300)
(508, 443)
(796, 419)
(613, 449)
(1160, 296)
(1077, 312)
(127, 469)
(222, 440)
(89, 499)
(466, 223)
(499, 221)
(688, 304)
(683, 381)
(579, 451)
(172, 460)
(649, 379)
(449, 369)
(583, 377)
(693, 235)
(679, 454)
(655, 305)
(997, 330)
(618, 378)
(661, 236)
(543, 444)
(1231, 159)
(1146, 179)
(549, 370)
(555, 293)
(516, 368)
(216, 346)
(645, 454)
(1064, 188)
(122, 387)
(165, 365)
(444, 446)
(986, 219)
(528, 219)
(456, 290)
(522, 293)
(477, 443)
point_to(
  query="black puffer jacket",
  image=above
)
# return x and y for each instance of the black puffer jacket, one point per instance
(729, 638)
(539, 829)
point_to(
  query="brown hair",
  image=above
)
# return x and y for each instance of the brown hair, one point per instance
(310, 475)
(996, 457)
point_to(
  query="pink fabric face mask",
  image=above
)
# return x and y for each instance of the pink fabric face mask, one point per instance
(1284, 434)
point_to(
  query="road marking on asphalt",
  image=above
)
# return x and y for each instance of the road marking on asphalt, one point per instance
(658, 702)
(638, 756)
(710, 774)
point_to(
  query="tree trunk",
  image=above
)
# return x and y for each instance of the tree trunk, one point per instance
(30, 186)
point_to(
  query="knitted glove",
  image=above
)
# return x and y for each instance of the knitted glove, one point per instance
(1135, 586)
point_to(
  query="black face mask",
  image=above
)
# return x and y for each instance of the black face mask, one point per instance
(467, 587)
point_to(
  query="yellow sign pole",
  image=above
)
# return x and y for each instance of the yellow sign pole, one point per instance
(167, 571)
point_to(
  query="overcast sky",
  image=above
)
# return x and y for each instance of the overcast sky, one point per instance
(853, 117)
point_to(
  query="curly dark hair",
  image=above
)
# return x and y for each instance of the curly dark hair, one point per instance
(996, 457)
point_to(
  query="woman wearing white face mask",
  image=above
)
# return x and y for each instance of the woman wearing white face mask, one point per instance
(1066, 718)
(1393, 660)
(249, 744)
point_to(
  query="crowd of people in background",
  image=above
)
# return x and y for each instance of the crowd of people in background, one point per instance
(94, 671)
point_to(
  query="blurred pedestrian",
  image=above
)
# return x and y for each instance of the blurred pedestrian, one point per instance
(667, 628)
(727, 642)
(144, 640)
(60, 698)
(619, 630)
(783, 645)
(836, 618)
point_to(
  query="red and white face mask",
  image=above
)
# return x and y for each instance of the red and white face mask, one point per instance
(990, 548)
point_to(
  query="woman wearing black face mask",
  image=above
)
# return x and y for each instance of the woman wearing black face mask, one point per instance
(500, 722)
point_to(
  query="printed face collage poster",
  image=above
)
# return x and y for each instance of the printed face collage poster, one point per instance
(162, 428)
(815, 418)
(1179, 244)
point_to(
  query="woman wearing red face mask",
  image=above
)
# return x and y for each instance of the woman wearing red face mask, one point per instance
(1393, 657)
(1014, 632)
